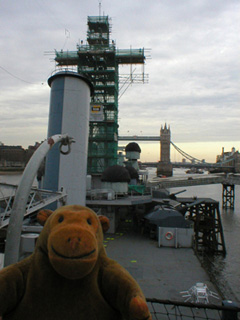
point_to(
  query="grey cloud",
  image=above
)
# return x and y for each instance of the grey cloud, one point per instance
(194, 66)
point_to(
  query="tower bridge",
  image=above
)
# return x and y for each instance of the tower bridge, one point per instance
(139, 138)
(231, 164)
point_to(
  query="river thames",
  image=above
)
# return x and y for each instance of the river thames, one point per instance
(225, 269)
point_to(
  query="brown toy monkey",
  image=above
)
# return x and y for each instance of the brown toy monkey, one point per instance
(69, 275)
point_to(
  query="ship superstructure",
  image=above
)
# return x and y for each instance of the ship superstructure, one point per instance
(99, 60)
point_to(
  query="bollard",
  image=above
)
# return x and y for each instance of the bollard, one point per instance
(229, 314)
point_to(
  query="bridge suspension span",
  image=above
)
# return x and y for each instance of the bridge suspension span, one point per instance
(193, 159)
(185, 154)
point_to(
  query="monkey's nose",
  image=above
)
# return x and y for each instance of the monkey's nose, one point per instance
(73, 242)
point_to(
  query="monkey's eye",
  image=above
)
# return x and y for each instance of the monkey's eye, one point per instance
(60, 219)
(89, 221)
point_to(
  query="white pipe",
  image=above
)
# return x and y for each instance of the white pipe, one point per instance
(21, 198)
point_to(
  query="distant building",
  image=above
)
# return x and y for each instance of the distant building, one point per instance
(30, 151)
(12, 156)
(230, 158)
(15, 156)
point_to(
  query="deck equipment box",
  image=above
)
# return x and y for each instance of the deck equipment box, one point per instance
(175, 237)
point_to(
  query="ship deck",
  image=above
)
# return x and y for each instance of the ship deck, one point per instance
(162, 273)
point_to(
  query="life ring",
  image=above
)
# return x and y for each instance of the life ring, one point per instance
(169, 235)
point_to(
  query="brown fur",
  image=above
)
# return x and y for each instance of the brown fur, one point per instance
(69, 275)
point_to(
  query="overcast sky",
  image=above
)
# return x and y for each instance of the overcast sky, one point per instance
(194, 68)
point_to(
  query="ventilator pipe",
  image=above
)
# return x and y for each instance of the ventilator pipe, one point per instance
(21, 197)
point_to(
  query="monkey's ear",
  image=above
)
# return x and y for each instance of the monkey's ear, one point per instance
(43, 215)
(104, 222)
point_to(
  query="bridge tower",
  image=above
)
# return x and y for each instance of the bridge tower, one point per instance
(164, 166)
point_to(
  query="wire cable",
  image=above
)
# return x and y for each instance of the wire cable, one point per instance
(12, 75)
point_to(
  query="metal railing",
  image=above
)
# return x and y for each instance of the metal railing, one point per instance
(173, 310)
(37, 199)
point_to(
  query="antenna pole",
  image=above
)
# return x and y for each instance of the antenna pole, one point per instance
(100, 8)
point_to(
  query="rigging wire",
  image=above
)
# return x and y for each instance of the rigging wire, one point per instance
(67, 35)
(129, 80)
(12, 75)
(54, 18)
(49, 13)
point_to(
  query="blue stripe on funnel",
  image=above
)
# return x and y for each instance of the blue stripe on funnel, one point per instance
(54, 127)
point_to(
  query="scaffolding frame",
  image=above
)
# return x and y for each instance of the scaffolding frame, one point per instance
(209, 237)
(99, 60)
(228, 196)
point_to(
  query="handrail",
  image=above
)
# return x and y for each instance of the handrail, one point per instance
(21, 198)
